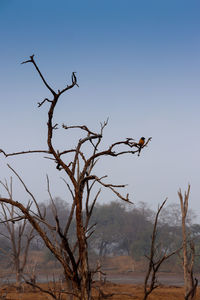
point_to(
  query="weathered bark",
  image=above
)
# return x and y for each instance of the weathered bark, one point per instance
(83, 251)
(190, 283)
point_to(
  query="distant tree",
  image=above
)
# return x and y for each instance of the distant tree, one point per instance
(121, 230)
(138, 231)
(18, 233)
(77, 163)
(109, 220)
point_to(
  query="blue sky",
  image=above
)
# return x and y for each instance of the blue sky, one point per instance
(137, 62)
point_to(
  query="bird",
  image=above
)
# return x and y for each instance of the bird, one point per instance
(140, 144)
(141, 141)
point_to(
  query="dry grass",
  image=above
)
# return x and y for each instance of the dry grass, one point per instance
(116, 291)
(114, 266)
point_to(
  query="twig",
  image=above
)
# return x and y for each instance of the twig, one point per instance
(23, 152)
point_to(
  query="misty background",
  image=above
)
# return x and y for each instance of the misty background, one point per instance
(137, 63)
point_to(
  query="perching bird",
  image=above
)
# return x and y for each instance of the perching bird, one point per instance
(140, 144)
(141, 141)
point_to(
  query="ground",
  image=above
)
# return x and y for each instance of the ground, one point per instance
(123, 279)
(116, 291)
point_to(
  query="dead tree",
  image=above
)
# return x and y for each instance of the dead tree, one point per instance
(17, 233)
(78, 167)
(156, 258)
(188, 250)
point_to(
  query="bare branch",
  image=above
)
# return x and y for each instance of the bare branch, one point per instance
(80, 143)
(110, 186)
(53, 294)
(13, 220)
(27, 190)
(41, 103)
(23, 152)
(31, 60)
(83, 127)
(74, 82)
(153, 265)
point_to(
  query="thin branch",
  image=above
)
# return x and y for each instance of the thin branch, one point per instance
(74, 82)
(83, 127)
(110, 186)
(27, 190)
(13, 220)
(80, 143)
(23, 152)
(71, 211)
(52, 294)
(45, 100)
(153, 265)
(111, 152)
(31, 60)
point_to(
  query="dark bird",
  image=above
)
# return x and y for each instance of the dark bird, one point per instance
(140, 144)
(141, 141)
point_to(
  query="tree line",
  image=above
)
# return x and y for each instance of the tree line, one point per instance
(119, 229)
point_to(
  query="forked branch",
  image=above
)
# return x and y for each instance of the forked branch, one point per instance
(154, 264)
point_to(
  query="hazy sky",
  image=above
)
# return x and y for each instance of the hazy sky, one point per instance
(137, 62)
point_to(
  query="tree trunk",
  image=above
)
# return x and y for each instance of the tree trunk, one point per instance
(85, 283)
(187, 277)
(18, 279)
(190, 288)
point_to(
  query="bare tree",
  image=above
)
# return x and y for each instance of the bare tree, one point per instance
(156, 258)
(78, 167)
(188, 250)
(17, 233)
